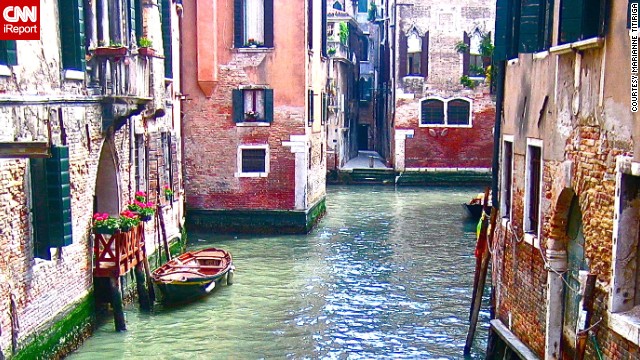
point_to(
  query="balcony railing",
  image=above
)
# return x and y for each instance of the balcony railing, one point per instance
(122, 75)
(342, 51)
(114, 255)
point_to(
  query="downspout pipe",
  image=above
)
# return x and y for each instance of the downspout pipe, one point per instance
(497, 129)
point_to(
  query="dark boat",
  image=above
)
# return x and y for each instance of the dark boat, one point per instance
(474, 207)
(193, 274)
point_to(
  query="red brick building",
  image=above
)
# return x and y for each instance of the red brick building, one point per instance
(255, 110)
(441, 125)
(565, 250)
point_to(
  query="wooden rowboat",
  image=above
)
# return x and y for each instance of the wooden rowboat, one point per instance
(193, 274)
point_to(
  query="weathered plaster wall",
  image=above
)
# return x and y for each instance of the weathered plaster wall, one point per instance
(577, 103)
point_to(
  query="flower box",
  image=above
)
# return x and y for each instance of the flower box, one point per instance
(146, 51)
(110, 51)
(104, 230)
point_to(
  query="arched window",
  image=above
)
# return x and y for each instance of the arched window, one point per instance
(458, 112)
(454, 112)
(337, 5)
(432, 112)
(414, 54)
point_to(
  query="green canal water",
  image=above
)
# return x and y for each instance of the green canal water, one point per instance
(387, 274)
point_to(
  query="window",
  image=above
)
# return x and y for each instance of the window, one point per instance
(337, 5)
(364, 54)
(253, 105)
(507, 29)
(439, 112)
(536, 23)
(366, 85)
(310, 24)
(362, 6)
(167, 38)
(581, 19)
(71, 34)
(253, 161)
(625, 299)
(310, 109)
(414, 54)
(507, 176)
(166, 158)
(477, 57)
(532, 187)
(8, 54)
(140, 163)
(51, 202)
(253, 23)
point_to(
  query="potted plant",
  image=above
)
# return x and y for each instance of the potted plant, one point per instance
(331, 51)
(486, 49)
(168, 193)
(253, 43)
(461, 47)
(145, 210)
(114, 49)
(105, 224)
(128, 220)
(373, 12)
(145, 47)
(250, 116)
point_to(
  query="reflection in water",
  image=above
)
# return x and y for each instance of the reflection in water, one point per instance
(387, 274)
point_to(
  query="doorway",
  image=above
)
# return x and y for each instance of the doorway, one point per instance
(363, 136)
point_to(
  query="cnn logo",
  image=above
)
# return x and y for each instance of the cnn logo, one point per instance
(20, 20)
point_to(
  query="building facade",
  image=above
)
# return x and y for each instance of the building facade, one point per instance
(86, 125)
(254, 114)
(565, 249)
(440, 66)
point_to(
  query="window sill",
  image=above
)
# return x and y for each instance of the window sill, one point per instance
(73, 75)
(253, 124)
(592, 43)
(252, 175)
(531, 239)
(5, 70)
(540, 55)
(627, 324)
(469, 126)
(254, 50)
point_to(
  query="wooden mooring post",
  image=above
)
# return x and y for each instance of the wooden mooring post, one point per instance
(114, 257)
(482, 265)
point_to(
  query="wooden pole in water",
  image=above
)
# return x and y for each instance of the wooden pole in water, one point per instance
(482, 264)
(143, 294)
(116, 304)
(164, 234)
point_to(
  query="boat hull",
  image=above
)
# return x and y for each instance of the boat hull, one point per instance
(193, 275)
(475, 210)
(176, 292)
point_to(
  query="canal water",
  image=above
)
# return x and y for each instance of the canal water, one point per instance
(387, 274)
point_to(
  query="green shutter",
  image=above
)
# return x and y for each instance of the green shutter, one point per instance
(310, 109)
(132, 19)
(268, 105)
(238, 105)
(8, 54)
(531, 24)
(51, 196)
(571, 13)
(502, 37)
(72, 34)
(166, 38)
(466, 56)
(238, 24)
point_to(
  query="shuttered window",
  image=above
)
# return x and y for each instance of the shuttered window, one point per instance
(402, 57)
(581, 19)
(310, 24)
(71, 23)
(134, 18)
(507, 178)
(166, 38)
(325, 108)
(252, 105)
(8, 55)
(535, 25)
(51, 202)
(507, 29)
(424, 60)
(253, 23)
(323, 32)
